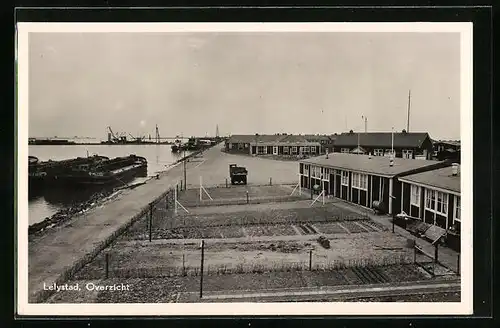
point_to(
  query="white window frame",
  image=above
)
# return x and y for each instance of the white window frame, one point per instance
(415, 195)
(360, 181)
(305, 150)
(407, 153)
(363, 182)
(344, 150)
(313, 149)
(345, 178)
(457, 215)
(444, 203)
(378, 152)
(434, 199)
(355, 180)
(285, 150)
(294, 150)
(275, 150)
(430, 199)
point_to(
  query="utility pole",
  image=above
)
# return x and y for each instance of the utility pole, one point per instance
(409, 105)
(185, 179)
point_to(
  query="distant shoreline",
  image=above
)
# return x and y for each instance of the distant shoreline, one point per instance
(100, 144)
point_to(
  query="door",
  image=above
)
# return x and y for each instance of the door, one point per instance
(337, 185)
(275, 150)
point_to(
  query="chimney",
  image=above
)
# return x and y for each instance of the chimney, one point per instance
(454, 169)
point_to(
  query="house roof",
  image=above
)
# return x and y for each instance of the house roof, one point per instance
(267, 138)
(381, 139)
(377, 165)
(248, 138)
(440, 178)
(317, 137)
(448, 142)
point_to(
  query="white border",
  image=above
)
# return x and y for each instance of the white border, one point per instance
(464, 307)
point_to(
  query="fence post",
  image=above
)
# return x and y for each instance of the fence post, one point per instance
(107, 265)
(415, 253)
(177, 188)
(183, 265)
(270, 181)
(436, 253)
(226, 182)
(150, 220)
(247, 196)
(310, 259)
(201, 267)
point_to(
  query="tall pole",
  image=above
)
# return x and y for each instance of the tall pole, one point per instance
(201, 267)
(409, 104)
(392, 142)
(185, 180)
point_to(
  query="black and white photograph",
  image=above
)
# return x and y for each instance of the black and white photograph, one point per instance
(270, 168)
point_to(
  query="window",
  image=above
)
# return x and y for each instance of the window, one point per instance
(344, 150)
(275, 150)
(355, 180)
(306, 169)
(313, 150)
(260, 149)
(378, 152)
(415, 195)
(407, 153)
(442, 203)
(315, 171)
(430, 199)
(457, 209)
(294, 150)
(285, 150)
(436, 201)
(360, 181)
(364, 182)
(345, 178)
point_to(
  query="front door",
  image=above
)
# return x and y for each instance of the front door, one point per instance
(275, 150)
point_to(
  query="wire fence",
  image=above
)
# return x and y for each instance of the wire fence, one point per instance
(114, 264)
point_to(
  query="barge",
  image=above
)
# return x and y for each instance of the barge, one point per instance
(110, 172)
(93, 170)
(41, 173)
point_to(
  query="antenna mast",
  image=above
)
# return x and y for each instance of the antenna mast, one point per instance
(409, 105)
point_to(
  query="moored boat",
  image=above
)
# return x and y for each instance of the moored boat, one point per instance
(109, 172)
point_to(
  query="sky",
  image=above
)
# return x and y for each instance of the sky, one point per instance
(246, 83)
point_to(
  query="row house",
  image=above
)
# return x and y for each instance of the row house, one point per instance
(280, 144)
(326, 141)
(434, 198)
(414, 145)
(362, 179)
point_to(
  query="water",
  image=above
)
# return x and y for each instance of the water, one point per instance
(44, 205)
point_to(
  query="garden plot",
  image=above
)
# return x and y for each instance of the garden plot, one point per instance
(236, 195)
(130, 258)
(270, 230)
(191, 225)
(353, 227)
(330, 228)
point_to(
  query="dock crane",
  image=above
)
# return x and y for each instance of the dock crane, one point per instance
(157, 134)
